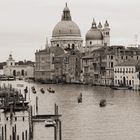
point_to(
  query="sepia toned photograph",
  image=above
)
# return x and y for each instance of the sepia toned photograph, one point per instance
(69, 70)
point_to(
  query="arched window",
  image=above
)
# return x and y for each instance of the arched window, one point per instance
(14, 72)
(22, 72)
(90, 42)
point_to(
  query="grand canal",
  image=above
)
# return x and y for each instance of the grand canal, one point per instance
(119, 120)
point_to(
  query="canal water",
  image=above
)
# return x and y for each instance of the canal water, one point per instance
(119, 120)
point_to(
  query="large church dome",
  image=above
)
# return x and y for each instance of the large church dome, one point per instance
(66, 33)
(94, 33)
(66, 27)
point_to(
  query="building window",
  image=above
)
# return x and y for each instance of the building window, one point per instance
(129, 70)
(43, 73)
(121, 57)
(111, 56)
(15, 118)
(90, 42)
(22, 72)
(23, 119)
(126, 57)
(132, 70)
(116, 81)
(129, 82)
(123, 70)
(111, 64)
(107, 33)
(126, 70)
(132, 82)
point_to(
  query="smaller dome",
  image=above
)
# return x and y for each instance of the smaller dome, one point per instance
(94, 34)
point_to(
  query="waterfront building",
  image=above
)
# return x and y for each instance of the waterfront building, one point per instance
(44, 67)
(24, 70)
(68, 67)
(98, 67)
(66, 33)
(127, 74)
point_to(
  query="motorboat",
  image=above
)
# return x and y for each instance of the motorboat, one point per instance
(103, 103)
(50, 123)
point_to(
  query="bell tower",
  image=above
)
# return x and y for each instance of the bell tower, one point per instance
(10, 61)
(106, 34)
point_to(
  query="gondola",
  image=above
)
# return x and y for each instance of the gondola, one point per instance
(51, 90)
(42, 90)
(79, 99)
(103, 103)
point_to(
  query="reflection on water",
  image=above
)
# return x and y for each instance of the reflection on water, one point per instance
(119, 120)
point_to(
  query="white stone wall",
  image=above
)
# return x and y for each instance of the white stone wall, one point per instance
(28, 71)
(130, 74)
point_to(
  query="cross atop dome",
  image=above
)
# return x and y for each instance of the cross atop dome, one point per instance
(93, 23)
(66, 14)
(106, 24)
(100, 25)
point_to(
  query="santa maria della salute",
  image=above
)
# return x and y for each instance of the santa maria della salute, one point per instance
(67, 60)
(67, 35)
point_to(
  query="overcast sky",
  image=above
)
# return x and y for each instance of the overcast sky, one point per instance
(24, 24)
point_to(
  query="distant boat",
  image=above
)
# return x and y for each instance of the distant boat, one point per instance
(33, 90)
(79, 99)
(42, 90)
(26, 90)
(50, 123)
(121, 87)
(103, 103)
(51, 90)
